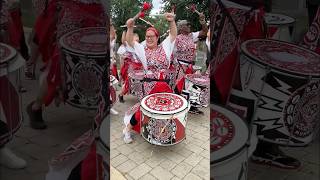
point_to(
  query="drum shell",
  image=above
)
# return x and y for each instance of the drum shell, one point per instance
(197, 98)
(75, 65)
(232, 168)
(135, 83)
(163, 127)
(229, 156)
(179, 123)
(10, 98)
(282, 28)
(280, 103)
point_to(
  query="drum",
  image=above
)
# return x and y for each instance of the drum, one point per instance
(228, 150)
(198, 87)
(164, 118)
(196, 68)
(280, 85)
(11, 62)
(84, 57)
(279, 26)
(136, 83)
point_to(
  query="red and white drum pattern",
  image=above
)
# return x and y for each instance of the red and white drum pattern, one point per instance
(163, 118)
(221, 131)
(85, 53)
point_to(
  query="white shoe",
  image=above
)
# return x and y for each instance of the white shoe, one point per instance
(127, 136)
(114, 112)
(10, 160)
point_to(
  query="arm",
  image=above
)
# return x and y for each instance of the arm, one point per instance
(123, 37)
(129, 34)
(204, 29)
(173, 26)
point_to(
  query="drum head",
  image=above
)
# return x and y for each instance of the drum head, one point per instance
(228, 134)
(283, 56)
(198, 79)
(137, 74)
(86, 41)
(278, 19)
(164, 103)
(7, 53)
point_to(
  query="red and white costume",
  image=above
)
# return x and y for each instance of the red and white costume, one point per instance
(156, 62)
(113, 65)
(185, 51)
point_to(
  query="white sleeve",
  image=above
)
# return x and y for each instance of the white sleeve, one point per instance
(139, 51)
(195, 36)
(168, 47)
(121, 50)
(208, 43)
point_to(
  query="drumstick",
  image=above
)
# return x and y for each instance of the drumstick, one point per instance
(193, 9)
(161, 15)
(146, 22)
(146, 6)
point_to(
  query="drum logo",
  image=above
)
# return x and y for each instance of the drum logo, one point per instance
(86, 77)
(221, 131)
(161, 131)
(302, 110)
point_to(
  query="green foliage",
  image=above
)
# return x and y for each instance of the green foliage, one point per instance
(183, 13)
(122, 10)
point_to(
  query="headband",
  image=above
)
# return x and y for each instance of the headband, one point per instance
(154, 30)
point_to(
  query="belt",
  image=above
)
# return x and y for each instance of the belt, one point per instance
(158, 80)
(187, 62)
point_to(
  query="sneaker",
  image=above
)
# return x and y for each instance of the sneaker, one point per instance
(194, 110)
(127, 136)
(121, 99)
(10, 160)
(35, 117)
(114, 112)
(275, 157)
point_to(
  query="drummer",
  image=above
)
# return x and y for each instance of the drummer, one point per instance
(185, 52)
(113, 66)
(155, 59)
(48, 31)
(129, 62)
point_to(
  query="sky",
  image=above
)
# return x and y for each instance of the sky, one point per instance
(156, 6)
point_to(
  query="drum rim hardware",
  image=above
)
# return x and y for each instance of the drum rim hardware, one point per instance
(241, 148)
(71, 50)
(8, 59)
(290, 20)
(260, 63)
(175, 112)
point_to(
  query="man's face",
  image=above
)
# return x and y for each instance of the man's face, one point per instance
(185, 28)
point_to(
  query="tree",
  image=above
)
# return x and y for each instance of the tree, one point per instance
(122, 10)
(183, 13)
